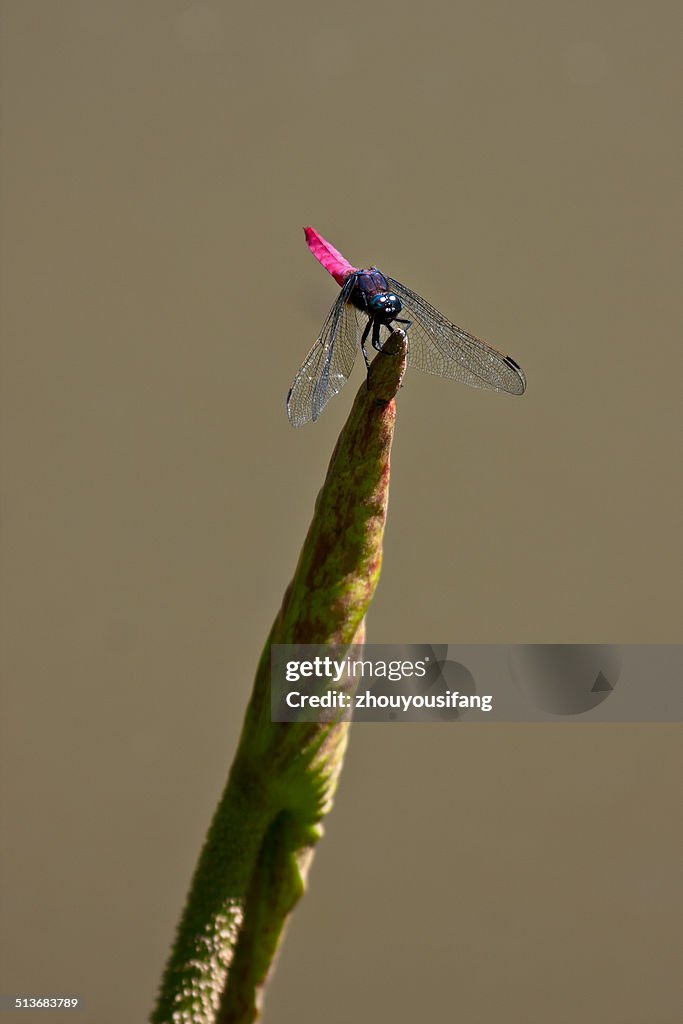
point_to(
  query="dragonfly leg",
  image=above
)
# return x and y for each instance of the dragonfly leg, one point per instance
(375, 334)
(363, 340)
(376, 343)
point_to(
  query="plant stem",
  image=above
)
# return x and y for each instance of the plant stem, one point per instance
(253, 867)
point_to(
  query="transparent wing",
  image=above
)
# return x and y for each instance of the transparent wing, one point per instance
(437, 346)
(328, 365)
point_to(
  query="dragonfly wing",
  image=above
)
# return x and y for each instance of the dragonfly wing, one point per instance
(328, 365)
(437, 346)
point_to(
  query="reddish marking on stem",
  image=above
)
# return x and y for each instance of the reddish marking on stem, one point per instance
(331, 258)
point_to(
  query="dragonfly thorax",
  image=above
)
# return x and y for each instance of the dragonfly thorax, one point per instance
(384, 306)
(370, 292)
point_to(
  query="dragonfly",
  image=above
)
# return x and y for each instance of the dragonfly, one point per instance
(368, 304)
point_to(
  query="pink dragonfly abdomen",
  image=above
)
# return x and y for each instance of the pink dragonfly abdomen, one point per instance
(331, 258)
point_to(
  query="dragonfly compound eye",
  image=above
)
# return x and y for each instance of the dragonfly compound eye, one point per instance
(385, 306)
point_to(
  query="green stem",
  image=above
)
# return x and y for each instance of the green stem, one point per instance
(252, 870)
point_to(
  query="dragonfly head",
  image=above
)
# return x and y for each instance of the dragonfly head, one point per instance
(385, 306)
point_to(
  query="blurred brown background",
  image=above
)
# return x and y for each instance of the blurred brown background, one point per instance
(516, 164)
